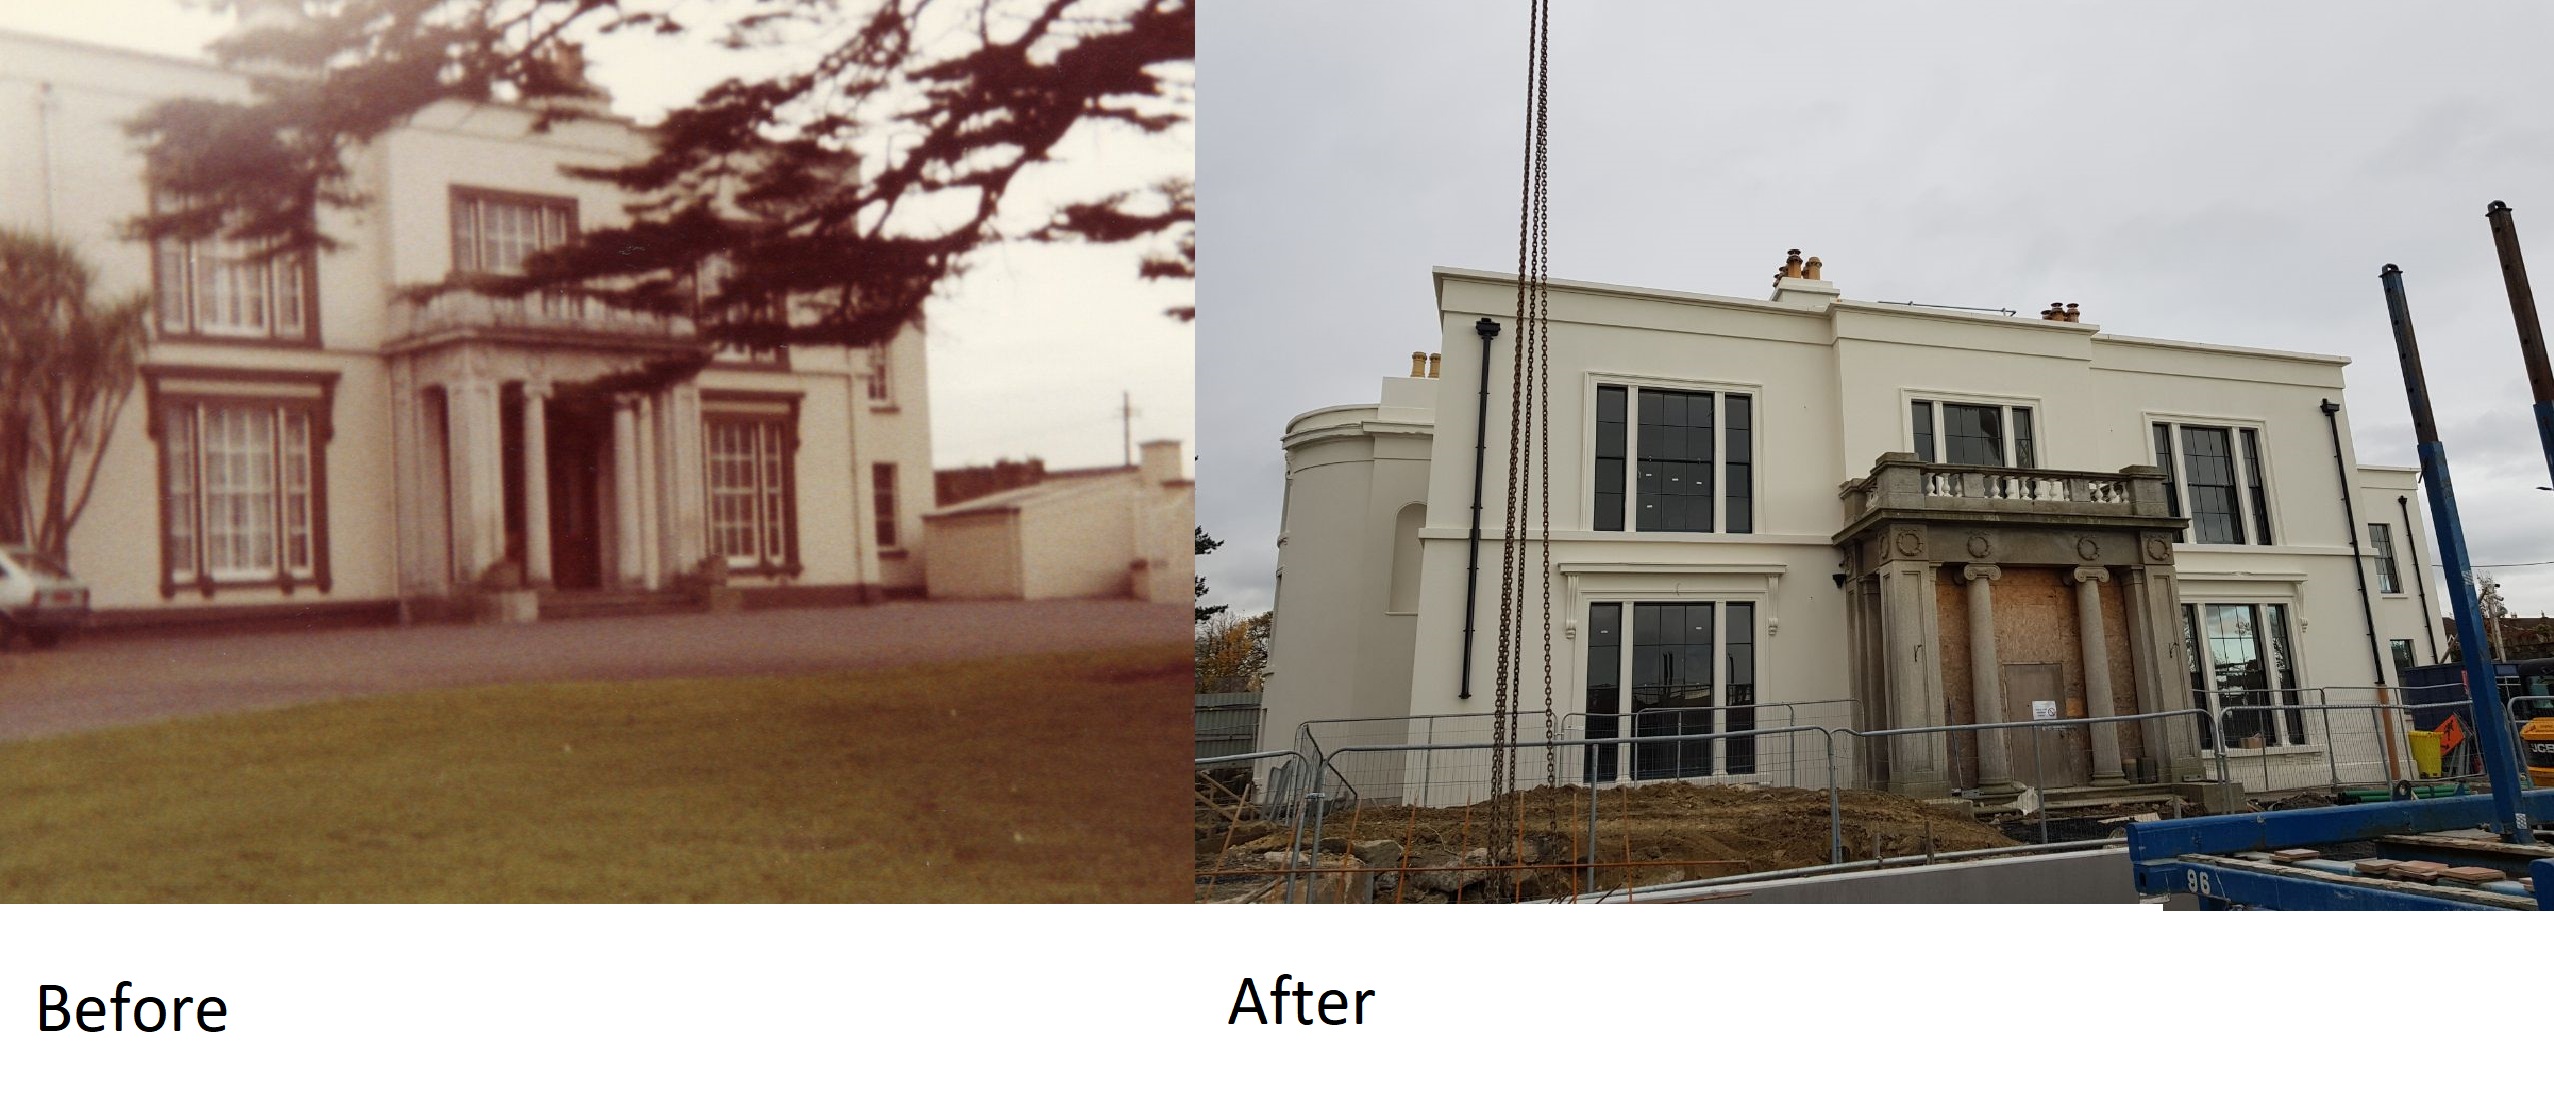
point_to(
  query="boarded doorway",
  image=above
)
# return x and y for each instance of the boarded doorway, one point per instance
(2042, 758)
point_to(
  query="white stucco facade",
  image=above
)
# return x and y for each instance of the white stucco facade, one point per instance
(408, 447)
(1806, 393)
(1116, 532)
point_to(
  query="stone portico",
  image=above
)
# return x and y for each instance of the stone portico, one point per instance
(549, 432)
(1974, 591)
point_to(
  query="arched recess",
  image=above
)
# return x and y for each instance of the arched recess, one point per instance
(1405, 558)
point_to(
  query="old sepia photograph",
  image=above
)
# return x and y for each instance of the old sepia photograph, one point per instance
(594, 450)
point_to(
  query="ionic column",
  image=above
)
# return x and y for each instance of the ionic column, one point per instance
(536, 485)
(1986, 679)
(650, 555)
(687, 512)
(2097, 673)
(478, 476)
(629, 557)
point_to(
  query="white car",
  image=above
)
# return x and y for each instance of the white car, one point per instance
(38, 598)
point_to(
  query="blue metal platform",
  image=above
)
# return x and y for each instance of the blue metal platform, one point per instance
(2226, 860)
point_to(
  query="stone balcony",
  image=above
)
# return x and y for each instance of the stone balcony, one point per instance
(550, 317)
(1902, 487)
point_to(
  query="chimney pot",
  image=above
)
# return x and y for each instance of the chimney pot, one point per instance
(1418, 365)
(1810, 269)
(1791, 265)
(1436, 363)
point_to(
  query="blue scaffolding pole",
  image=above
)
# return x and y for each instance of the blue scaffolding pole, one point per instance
(2237, 860)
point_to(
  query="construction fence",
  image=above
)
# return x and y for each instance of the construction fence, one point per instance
(1467, 807)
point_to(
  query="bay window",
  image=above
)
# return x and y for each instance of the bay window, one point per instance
(243, 478)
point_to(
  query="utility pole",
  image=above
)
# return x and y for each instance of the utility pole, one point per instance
(2493, 610)
(1126, 418)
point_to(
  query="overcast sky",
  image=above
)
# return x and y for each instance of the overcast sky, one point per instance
(1030, 352)
(2233, 174)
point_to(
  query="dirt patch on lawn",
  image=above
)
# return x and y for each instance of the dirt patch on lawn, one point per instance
(1644, 835)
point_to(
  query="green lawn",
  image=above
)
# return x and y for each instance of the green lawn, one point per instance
(1057, 778)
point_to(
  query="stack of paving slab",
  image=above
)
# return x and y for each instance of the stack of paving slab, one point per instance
(2418, 872)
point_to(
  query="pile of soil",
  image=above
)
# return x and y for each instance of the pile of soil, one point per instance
(1645, 835)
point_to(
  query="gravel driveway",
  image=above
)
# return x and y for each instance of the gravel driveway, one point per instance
(109, 682)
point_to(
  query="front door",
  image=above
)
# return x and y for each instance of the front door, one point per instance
(576, 441)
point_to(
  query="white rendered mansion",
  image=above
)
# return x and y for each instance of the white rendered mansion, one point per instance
(309, 443)
(1814, 498)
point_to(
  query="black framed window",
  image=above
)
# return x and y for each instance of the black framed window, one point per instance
(2208, 470)
(1604, 686)
(2242, 658)
(1673, 478)
(2403, 660)
(2381, 542)
(2218, 475)
(1973, 434)
(2172, 481)
(1613, 434)
(1738, 468)
(1673, 461)
(1681, 659)
(2252, 476)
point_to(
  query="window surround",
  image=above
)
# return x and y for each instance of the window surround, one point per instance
(1718, 755)
(883, 507)
(305, 260)
(760, 407)
(1633, 384)
(312, 393)
(2387, 559)
(1904, 412)
(2178, 477)
(469, 193)
(2195, 601)
(879, 382)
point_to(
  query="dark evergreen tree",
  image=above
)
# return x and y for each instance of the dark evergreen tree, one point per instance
(760, 174)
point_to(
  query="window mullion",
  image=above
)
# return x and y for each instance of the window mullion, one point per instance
(1718, 440)
(1631, 471)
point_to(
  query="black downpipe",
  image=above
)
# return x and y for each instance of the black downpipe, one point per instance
(1488, 330)
(2420, 580)
(2350, 515)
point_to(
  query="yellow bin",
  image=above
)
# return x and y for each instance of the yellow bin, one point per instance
(2425, 752)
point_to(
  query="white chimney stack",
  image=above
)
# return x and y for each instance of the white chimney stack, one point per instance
(1161, 464)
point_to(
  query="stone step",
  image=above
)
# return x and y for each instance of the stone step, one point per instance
(588, 605)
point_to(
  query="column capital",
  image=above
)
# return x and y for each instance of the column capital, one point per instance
(1981, 572)
(537, 388)
(2092, 575)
